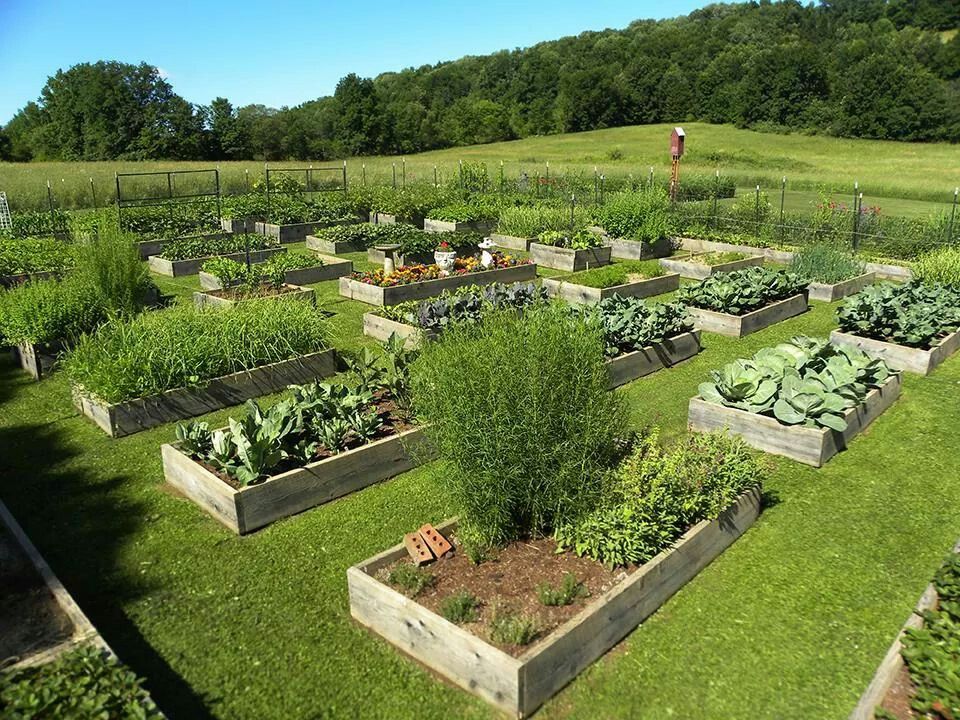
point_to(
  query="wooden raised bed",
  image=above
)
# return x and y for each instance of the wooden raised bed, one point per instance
(155, 247)
(831, 292)
(630, 366)
(132, 416)
(690, 268)
(888, 271)
(191, 266)
(901, 357)
(383, 218)
(751, 322)
(583, 295)
(382, 328)
(238, 225)
(812, 446)
(296, 232)
(568, 259)
(511, 242)
(638, 250)
(292, 292)
(8, 281)
(375, 295)
(332, 268)
(519, 685)
(335, 247)
(249, 508)
(36, 360)
(483, 226)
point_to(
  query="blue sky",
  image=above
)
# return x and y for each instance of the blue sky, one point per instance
(279, 52)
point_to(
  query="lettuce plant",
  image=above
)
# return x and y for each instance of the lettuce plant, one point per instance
(741, 291)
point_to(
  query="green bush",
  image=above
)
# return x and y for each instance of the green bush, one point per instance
(187, 346)
(83, 684)
(657, 494)
(939, 266)
(529, 222)
(826, 263)
(518, 408)
(460, 608)
(32, 255)
(640, 216)
(189, 248)
(110, 261)
(46, 312)
(508, 628)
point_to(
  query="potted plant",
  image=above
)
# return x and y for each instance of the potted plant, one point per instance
(444, 257)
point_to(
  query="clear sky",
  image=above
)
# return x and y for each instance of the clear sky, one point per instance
(280, 52)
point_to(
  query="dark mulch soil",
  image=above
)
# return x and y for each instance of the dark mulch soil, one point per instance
(897, 700)
(509, 581)
(30, 619)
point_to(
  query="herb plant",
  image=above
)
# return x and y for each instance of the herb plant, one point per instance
(579, 240)
(826, 263)
(569, 590)
(510, 628)
(460, 608)
(411, 579)
(940, 266)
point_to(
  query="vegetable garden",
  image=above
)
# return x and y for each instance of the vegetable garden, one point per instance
(609, 422)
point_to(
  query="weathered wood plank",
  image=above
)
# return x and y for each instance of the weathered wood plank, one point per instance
(383, 218)
(37, 361)
(568, 259)
(191, 266)
(301, 294)
(482, 226)
(297, 232)
(382, 328)
(751, 322)
(576, 294)
(901, 357)
(831, 292)
(635, 250)
(511, 242)
(637, 364)
(691, 268)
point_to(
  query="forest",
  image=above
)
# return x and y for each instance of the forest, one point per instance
(883, 69)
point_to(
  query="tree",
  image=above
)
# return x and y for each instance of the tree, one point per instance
(228, 138)
(359, 125)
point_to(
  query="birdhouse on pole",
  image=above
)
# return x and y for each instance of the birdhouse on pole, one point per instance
(676, 152)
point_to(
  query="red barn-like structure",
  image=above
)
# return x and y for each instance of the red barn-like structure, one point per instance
(676, 142)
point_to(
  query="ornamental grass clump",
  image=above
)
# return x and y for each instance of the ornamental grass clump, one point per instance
(826, 263)
(941, 266)
(187, 346)
(518, 409)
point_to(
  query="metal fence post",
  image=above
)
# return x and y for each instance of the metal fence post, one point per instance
(573, 202)
(856, 216)
(650, 183)
(403, 171)
(602, 182)
(783, 191)
(394, 165)
(716, 196)
(363, 174)
(953, 214)
(53, 223)
(93, 193)
(435, 183)
(756, 213)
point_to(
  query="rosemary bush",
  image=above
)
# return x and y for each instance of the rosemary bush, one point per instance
(519, 410)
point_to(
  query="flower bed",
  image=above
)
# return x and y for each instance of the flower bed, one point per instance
(637, 278)
(417, 282)
(804, 400)
(699, 267)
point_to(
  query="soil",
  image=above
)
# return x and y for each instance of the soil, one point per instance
(238, 292)
(508, 583)
(30, 619)
(394, 423)
(897, 699)
(636, 277)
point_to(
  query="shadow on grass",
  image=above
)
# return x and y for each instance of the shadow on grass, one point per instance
(81, 522)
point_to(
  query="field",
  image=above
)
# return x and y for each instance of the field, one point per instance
(790, 622)
(903, 178)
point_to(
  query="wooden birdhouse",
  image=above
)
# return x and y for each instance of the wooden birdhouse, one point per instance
(676, 142)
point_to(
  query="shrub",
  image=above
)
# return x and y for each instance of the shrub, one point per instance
(939, 266)
(46, 312)
(826, 263)
(186, 346)
(741, 291)
(570, 589)
(519, 411)
(618, 273)
(460, 608)
(657, 494)
(915, 314)
(528, 222)
(640, 216)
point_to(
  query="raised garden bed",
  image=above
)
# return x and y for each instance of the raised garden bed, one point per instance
(238, 225)
(332, 268)
(740, 325)
(511, 242)
(382, 218)
(155, 247)
(246, 509)
(481, 226)
(296, 232)
(36, 360)
(638, 250)
(811, 446)
(639, 363)
(39, 620)
(191, 266)
(520, 684)
(568, 259)
(831, 292)
(382, 328)
(584, 295)
(225, 298)
(9, 281)
(395, 294)
(133, 416)
(901, 357)
(690, 267)
(335, 247)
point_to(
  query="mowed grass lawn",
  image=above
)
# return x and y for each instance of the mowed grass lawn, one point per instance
(884, 169)
(790, 622)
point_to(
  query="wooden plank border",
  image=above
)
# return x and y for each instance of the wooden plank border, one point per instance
(332, 268)
(751, 322)
(295, 292)
(520, 685)
(191, 266)
(575, 294)
(511, 242)
(637, 364)
(436, 226)
(690, 268)
(901, 357)
(568, 259)
(831, 292)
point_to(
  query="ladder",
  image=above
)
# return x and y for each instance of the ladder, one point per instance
(5, 223)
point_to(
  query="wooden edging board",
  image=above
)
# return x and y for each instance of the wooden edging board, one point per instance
(332, 268)
(636, 250)
(637, 364)
(9, 281)
(892, 662)
(238, 225)
(831, 292)
(384, 218)
(751, 322)
(191, 266)
(901, 357)
(333, 247)
(569, 259)
(690, 268)
(132, 416)
(381, 328)
(511, 242)
(83, 630)
(297, 232)
(252, 507)
(811, 446)
(294, 292)
(376, 295)
(35, 360)
(519, 685)
(483, 226)
(575, 294)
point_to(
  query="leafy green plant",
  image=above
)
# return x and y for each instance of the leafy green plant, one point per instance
(411, 579)
(717, 258)
(628, 323)
(617, 273)
(530, 221)
(460, 608)
(656, 494)
(187, 346)
(940, 266)
(83, 684)
(510, 628)
(569, 590)
(49, 312)
(203, 247)
(826, 263)
(496, 397)
(915, 314)
(111, 262)
(640, 216)
(580, 240)
(741, 291)
(474, 210)
(34, 255)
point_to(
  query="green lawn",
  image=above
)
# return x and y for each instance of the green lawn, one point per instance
(789, 623)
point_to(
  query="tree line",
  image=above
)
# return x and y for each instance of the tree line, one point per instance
(887, 69)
